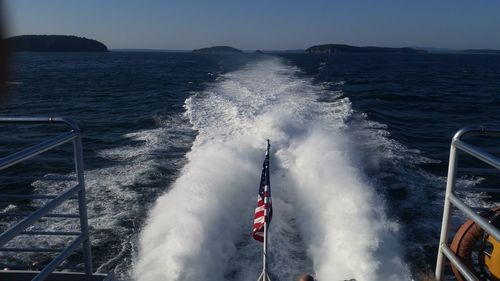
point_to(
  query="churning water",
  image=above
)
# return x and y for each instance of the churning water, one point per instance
(174, 144)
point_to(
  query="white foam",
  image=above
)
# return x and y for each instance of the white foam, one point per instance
(328, 218)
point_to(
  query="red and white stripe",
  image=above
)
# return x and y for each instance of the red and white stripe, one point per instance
(261, 215)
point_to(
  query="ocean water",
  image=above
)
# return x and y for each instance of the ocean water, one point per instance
(173, 144)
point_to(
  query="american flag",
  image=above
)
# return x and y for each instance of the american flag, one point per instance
(264, 210)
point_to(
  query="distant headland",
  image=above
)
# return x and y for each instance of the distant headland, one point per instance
(218, 50)
(481, 51)
(54, 43)
(340, 48)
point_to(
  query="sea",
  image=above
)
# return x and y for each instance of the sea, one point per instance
(173, 149)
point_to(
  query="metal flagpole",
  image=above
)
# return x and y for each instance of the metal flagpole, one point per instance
(264, 276)
(264, 251)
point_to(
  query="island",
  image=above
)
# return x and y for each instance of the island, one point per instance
(218, 50)
(341, 48)
(481, 51)
(53, 43)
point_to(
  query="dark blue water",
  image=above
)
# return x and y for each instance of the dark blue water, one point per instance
(130, 106)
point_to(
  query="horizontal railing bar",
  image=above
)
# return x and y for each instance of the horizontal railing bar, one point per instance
(458, 263)
(31, 268)
(25, 196)
(482, 222)
(37, 149)
(479, 189)
(41, 120)
(59, 259)
(8, 197)
(56, 233)
(471, 132)
(478, 170)
(36, 215)
(478, 153)
(6, 214)
(43, 178)
(14, 249)
(476, 210)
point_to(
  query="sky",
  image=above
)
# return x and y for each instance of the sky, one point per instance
(262, 24)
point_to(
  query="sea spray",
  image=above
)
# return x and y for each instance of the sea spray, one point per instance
(191, 231)
(328, 218)
(340, 218)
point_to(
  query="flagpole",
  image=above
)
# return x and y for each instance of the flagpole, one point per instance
(265, 277)
(264, 254)
(267, 195)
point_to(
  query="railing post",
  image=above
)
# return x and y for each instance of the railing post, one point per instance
(450, 185)
(82, 205)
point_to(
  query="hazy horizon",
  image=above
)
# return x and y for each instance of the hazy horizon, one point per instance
(187, 25)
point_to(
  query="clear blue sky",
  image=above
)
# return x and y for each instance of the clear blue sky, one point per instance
(262, 24)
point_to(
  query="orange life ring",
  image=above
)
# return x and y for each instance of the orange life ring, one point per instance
(466, 238)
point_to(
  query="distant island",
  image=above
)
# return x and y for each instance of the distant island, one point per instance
(340, 48)
(289, 51)
(481, 51)
(53, 43)
(218, 50)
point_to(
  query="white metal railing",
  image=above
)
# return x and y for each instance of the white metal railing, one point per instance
(451, 200)
(81, 238)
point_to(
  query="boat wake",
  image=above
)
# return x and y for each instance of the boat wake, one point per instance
(327, 219)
